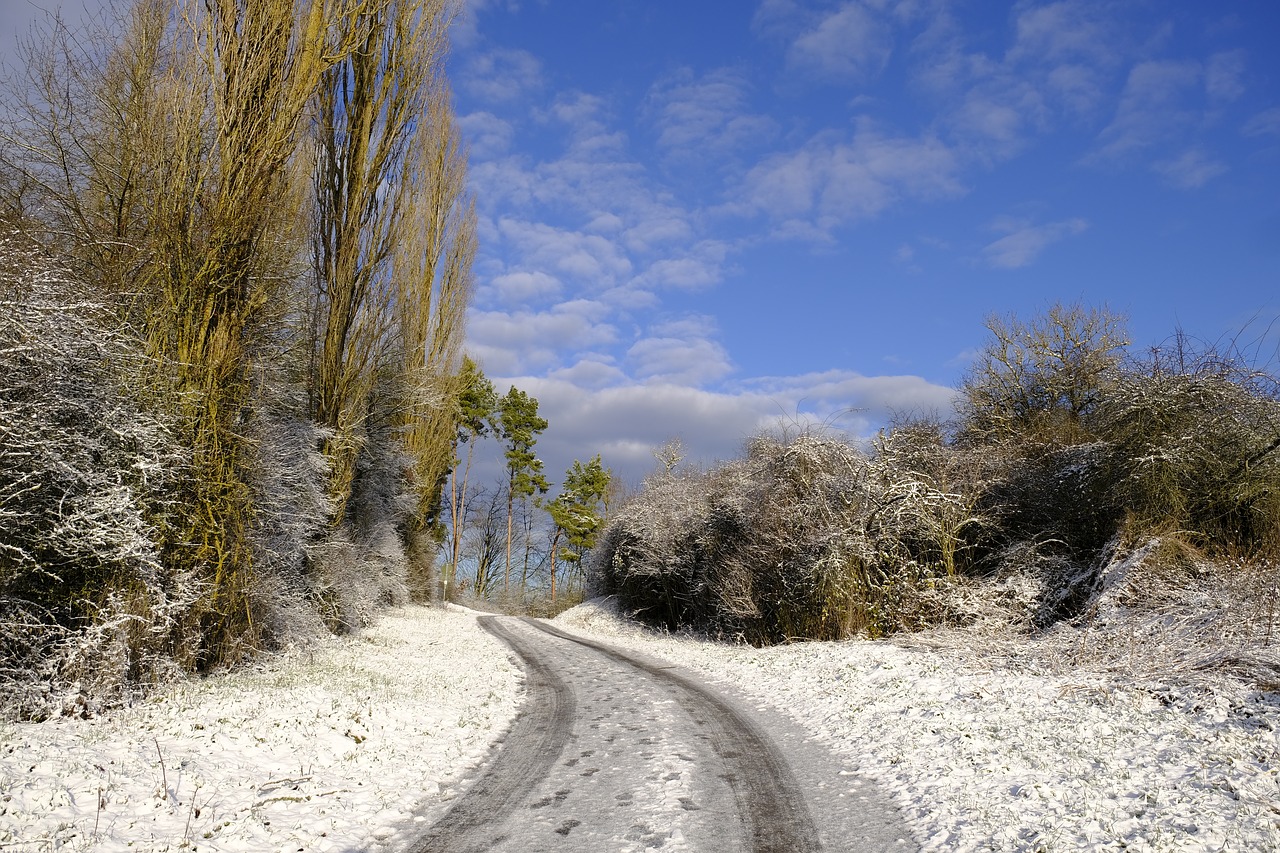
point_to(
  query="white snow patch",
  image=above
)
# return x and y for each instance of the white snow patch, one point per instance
(350, 744)
(355, 744)
(993, 758)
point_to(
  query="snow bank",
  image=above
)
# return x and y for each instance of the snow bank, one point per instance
(346, 745)
(1001, 759)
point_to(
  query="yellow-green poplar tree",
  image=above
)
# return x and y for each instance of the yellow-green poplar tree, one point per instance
(394, 241)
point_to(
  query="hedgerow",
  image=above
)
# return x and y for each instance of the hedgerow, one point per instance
(1069, 458)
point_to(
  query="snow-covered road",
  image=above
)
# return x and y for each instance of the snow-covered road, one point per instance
(362, 743)
(615, 751)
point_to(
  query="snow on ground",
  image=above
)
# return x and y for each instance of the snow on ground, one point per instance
(352, 744)
(983, 759)
(348, 745)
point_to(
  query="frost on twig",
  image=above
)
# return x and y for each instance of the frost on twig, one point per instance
(86, 606)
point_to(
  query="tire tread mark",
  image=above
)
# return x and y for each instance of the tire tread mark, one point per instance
(769, 800)
(530, 747)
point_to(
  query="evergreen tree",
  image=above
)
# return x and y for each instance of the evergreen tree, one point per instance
(519, 427)
(477, 405)
(576, 512)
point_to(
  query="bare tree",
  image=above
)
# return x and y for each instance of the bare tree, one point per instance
(1042, 379)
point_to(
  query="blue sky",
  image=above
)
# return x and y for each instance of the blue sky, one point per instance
(707, 218)
(701, 218)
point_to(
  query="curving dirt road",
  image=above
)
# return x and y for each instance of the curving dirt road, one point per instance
(616, 752)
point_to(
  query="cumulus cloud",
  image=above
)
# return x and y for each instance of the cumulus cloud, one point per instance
(517, 288)
(826, 394)
(681, 352)
(586, 258)
(489, 135)
(522, 340)
(1024, 242)
(698, 266)
(626, 423)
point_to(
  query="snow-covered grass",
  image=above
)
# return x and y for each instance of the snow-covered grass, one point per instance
(997, 756)
(350, 745)
(345, 745)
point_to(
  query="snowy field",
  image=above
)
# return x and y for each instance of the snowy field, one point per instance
(354, 744)
(332, 748)
(1007, 760)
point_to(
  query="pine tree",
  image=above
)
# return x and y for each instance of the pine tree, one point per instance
(575, 512)
(519, 427)
(477, 405)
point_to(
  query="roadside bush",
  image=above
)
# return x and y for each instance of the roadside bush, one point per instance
(1076, 486)
(87, 477)
(807, 538)
(1196, 453)
(292, 511)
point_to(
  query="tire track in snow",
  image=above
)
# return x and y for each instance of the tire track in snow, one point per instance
(614, 751)
(534, 742)
(770, 804)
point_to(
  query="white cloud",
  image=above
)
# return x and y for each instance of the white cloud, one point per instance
(1078, 88)
(591, 371)
(1152, 106)
(522, 287)
(1190, 170)
(689, 273)
(487, 135)
(501, 75)
(994, 120)
(466, 26)
(626, 423)
(1265, 123)
(518, 341)
(705, 116)
(832, 181)
(656, 231)
(1224, 75)
(1024, 242)
(851, 44)
(680, 352)
(778, 18)
(875, 398)
(590, 259)
(1068, 31)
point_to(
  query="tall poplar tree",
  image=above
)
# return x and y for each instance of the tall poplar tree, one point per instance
(394, 237)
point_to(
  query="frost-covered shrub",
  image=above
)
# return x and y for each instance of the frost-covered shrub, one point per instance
(1196, 450)
(802, 538)
(362, 566)
(87, 608)
(292, 511)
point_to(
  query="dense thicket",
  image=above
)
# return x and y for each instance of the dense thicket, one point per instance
(236, 259)
(1068, 457)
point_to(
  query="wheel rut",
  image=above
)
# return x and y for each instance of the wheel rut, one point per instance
(616, 752)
